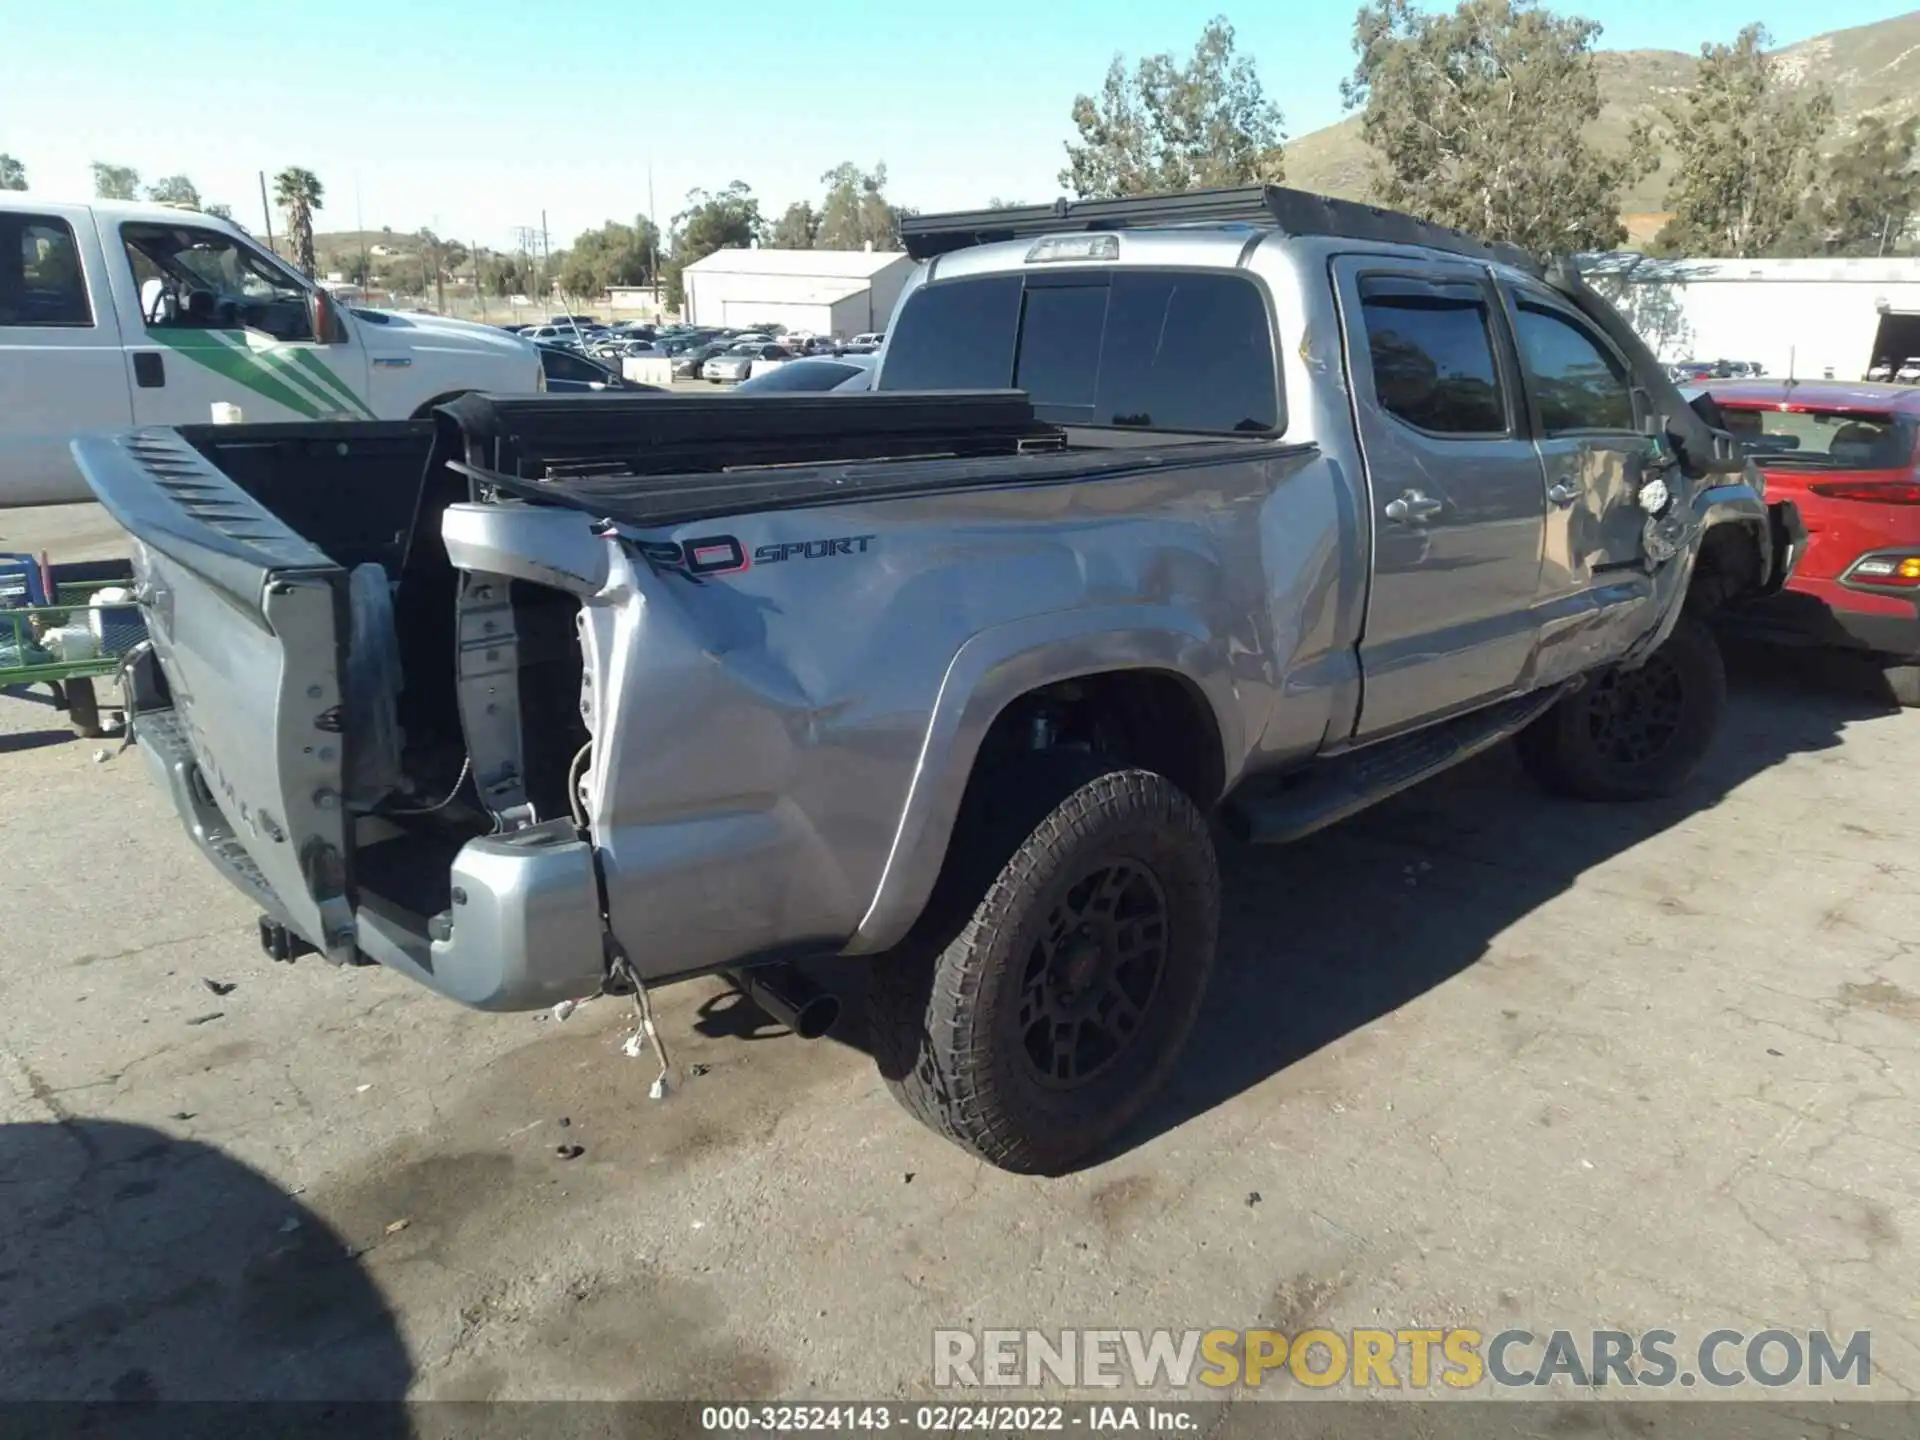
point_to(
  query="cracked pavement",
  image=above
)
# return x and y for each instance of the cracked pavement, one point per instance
(1487, 1059)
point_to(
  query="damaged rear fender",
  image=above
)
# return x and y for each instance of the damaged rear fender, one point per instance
(989, 673)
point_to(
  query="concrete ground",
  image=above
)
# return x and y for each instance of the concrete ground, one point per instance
(1477, 1058)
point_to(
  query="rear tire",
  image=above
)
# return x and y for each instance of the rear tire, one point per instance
(1903, 681)
(1636, 734)
(1045, 1025)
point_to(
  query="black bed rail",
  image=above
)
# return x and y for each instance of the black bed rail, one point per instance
(551, 437)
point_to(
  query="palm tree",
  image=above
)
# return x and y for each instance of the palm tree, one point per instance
(300, 193)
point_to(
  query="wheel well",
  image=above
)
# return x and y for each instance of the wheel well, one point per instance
(1153, 719)
(422, 411)
(1728, 566)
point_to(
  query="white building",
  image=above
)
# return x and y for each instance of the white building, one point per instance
(826, 292)
(1809, 318)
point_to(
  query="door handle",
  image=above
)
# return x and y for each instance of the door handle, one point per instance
(149, 370)
(1563, 493)
(1413, 507)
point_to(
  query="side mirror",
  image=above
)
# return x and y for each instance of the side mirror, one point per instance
(324, 312)
(1650, 420)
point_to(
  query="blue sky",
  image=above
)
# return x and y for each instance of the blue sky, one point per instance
(473, 117)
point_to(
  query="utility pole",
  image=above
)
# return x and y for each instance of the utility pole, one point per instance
(266, 210)
(524, 242)
(546, 258)
(653, 260)
(439, 280)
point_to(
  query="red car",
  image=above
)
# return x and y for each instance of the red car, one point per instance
(1849, 456)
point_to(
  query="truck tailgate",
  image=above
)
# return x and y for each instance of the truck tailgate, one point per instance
(248, 622)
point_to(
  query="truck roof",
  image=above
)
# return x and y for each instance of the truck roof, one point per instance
(158, 212)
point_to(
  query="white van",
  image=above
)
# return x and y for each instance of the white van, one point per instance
(118, 315)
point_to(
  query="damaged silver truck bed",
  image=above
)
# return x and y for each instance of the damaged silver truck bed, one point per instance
(1242, 501)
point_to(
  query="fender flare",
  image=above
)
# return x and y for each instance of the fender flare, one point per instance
(424, 411)
(988, 673)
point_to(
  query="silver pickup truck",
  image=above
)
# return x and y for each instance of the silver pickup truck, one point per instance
(1243, 505)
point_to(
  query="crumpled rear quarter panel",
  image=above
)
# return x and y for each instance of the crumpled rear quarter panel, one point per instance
(781, 744)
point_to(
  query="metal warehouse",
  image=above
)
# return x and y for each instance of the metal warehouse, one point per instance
(1811, 318)
(825, 292)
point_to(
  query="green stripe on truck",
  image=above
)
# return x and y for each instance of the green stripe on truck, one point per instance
(297, 379)
(312, 363)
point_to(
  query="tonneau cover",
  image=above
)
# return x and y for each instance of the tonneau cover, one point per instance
(663, 459)
(657, 433)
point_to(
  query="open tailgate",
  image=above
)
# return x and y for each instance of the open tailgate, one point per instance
(249, 623)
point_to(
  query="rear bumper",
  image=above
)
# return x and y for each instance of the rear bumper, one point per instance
(522, 933)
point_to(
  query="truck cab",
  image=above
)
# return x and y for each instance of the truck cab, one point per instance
(116, 315)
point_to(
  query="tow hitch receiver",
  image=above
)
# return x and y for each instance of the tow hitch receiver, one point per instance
(281, 943)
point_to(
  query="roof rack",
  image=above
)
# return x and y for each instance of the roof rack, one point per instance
(1290, 212)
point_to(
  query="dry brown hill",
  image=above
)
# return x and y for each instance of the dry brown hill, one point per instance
(1871, 68)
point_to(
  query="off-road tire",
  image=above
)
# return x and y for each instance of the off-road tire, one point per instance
(1582, 747)
(945, 1014)
(1903, 682)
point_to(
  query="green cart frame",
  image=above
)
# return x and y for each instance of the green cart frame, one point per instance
(71, 681)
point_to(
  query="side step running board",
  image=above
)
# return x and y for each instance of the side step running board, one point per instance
(1331, 790)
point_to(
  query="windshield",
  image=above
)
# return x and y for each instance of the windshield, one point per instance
(1827, 439)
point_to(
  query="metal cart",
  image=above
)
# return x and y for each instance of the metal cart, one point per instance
(50, 635)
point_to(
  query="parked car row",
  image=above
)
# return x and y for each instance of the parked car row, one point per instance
(568, 371)
(1697, 372)
(1896, 372)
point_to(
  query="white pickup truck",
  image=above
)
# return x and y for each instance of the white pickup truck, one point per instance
(115, 315)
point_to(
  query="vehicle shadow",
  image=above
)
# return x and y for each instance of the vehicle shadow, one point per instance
(1311, 949)
(1326, 936)
(144, 1273)
(14, 742)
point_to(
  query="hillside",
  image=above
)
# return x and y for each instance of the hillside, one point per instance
(1871, 68)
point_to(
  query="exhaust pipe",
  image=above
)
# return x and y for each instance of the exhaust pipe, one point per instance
(789, 997)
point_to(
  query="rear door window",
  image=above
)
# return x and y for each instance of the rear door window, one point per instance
(1132, 349)
(1430, 348)
(41, 283)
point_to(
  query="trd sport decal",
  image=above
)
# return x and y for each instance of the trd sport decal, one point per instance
(812, 549)
(707, 555)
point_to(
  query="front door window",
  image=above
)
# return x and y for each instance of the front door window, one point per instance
(198, 279)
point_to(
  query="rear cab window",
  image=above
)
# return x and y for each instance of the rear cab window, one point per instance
(41, 282)
(1834, 439)
(1189, 351)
